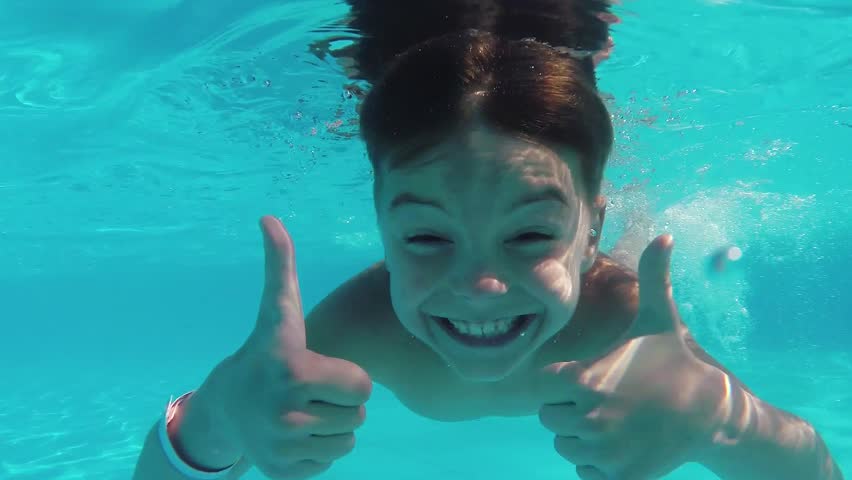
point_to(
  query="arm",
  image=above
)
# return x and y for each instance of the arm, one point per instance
(348, 312)
(773, 444)
(764, 442)
(754, 440)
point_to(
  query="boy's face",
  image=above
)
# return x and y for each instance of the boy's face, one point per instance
(485, 238)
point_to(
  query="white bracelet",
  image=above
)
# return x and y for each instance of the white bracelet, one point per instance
(172, 456)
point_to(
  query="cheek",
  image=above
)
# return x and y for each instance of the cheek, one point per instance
(558, 281)
(416, 282)
(412, 276)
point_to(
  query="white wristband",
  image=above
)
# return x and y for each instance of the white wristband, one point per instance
(172, 456)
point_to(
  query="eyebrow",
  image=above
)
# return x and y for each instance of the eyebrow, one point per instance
(549, 194)
(412, 199)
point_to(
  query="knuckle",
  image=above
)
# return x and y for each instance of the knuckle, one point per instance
(273, 469)
(360, 416)
(296, 420)
(296, 375)
(588, 472)
(547, 417)
(566, 447)
(292, 460)
(312, 468)
(345, 443)
(363, 385)
(348, 444)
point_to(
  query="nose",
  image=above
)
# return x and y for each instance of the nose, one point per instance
(478, 283)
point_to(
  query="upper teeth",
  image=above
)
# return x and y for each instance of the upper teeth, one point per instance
(495, 327)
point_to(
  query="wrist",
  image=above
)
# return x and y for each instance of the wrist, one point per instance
(199, 434)
(732, 427)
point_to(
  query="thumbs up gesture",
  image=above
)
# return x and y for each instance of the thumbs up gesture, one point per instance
(290, 411)
(644, 408)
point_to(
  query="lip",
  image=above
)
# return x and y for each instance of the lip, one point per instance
(522, 323)
(515, 336)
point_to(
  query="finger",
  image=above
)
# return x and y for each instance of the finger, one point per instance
(562, 383)
(321, 448)
(589, 472)
(656, 305)
(561, 419)
(577, 450)
(569, 421)
(319, 418)
(281, 309)
(654, 277)
(316, 377)
(276, 467)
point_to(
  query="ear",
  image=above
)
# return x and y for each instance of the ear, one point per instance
(598, 210)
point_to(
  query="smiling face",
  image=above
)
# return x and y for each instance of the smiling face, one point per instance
(485, 238)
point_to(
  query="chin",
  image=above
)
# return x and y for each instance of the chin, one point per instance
(483, 372)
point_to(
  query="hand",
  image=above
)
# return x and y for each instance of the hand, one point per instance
(605, 53)
(644, 408)
(291, 411)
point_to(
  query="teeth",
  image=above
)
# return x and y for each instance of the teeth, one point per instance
(489, 329)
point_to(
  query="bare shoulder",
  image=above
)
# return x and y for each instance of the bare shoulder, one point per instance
(356, 322)
(609, 289)
(609, 301)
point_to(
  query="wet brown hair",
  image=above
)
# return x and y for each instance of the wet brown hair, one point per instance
(523, 67)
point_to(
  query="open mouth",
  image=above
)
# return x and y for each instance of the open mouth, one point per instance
(488, 334)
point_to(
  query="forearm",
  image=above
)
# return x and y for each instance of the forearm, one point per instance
(772, 445)
(196, 438)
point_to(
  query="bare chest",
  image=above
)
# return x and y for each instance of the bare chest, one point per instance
(440, 396)
(427, 386)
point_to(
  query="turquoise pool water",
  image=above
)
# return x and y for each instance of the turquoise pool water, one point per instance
(140, 143)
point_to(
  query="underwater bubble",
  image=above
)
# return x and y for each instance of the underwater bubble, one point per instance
(722, 258)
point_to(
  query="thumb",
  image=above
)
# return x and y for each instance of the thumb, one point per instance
(281, 314)
(657, 309)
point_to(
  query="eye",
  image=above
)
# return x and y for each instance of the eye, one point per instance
(427, 240)
(532, 237)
